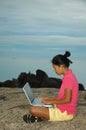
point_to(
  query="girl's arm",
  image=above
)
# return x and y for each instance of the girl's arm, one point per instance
(48, 98)
(55, 100)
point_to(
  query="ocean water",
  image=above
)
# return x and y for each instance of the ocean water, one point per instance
(11, 68)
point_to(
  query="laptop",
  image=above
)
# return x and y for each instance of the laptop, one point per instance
(32, 99)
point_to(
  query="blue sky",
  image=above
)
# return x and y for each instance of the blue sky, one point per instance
(33, 31)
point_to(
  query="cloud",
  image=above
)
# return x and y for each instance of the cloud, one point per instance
(42, 47)
(35, 17)
(48, 25)
(42, 40)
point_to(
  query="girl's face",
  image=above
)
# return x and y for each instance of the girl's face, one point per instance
(58, 69)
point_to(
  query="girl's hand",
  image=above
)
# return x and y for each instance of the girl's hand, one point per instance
(46, 101)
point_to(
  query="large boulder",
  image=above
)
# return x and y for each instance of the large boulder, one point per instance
(41, 75)
(22, 79)
(81, 87)
(33, 81)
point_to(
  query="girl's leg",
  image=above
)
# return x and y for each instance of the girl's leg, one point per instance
(40, 112)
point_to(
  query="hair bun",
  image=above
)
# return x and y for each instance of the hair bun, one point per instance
(67, 54)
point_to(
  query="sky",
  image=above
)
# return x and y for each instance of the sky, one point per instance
(32, 32)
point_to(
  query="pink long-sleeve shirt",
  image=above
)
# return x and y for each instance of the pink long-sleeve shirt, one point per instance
(69, 81)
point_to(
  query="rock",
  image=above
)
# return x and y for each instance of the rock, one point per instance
(38, 80)
(33, 81)
(81, 87)
(51, 83)
(41, 75)
(22, 79)
(9, 83)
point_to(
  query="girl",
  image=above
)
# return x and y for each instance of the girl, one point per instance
(65, 103)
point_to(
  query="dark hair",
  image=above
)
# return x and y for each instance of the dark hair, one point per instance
(62, 59)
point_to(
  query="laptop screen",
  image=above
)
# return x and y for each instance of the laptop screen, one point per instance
(28, 92)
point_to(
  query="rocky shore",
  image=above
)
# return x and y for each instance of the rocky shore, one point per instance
(13, 105)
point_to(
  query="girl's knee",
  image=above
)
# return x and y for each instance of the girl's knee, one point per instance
(32, 110)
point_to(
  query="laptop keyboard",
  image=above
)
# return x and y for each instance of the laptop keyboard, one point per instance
(37, 101)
